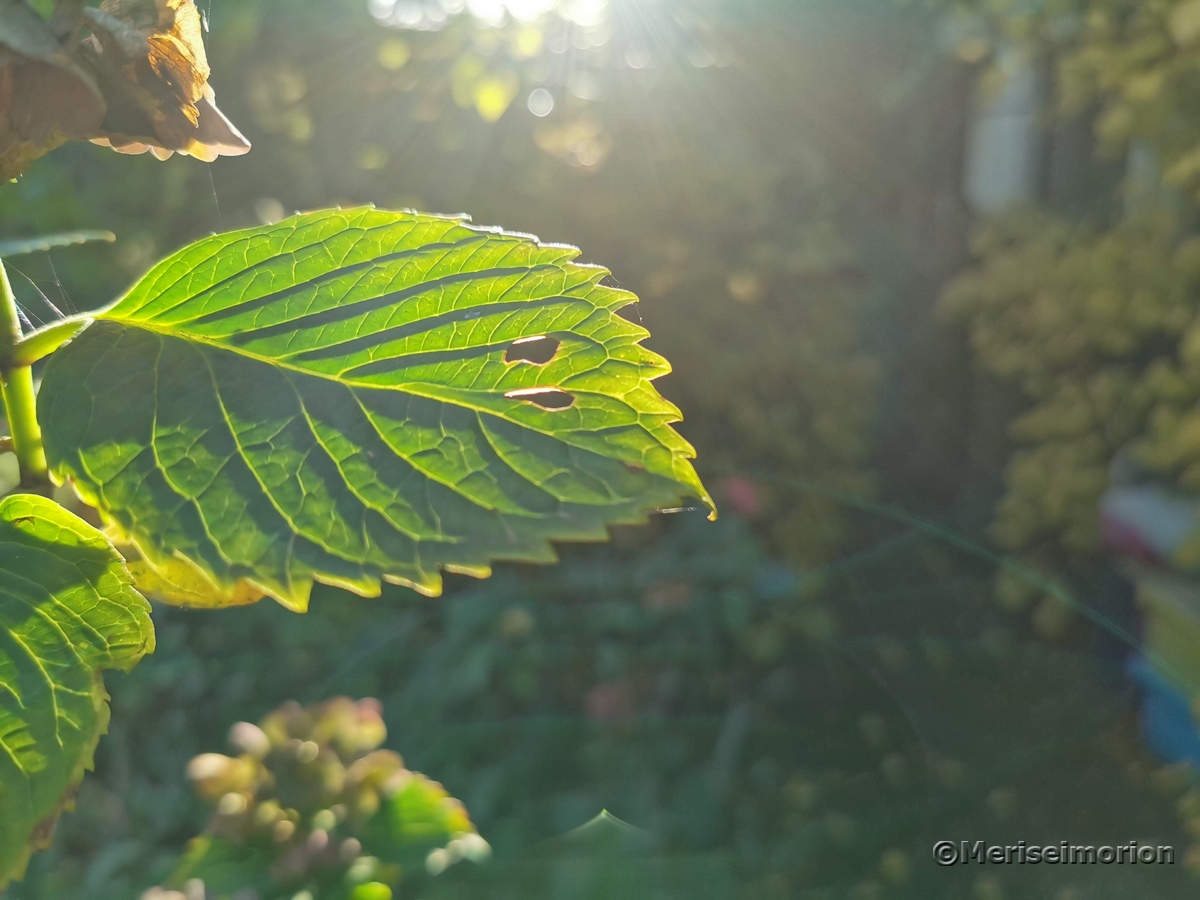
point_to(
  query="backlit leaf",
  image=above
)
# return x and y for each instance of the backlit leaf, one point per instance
(359, 395)
(68, 611)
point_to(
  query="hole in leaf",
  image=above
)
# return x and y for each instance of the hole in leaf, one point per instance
(537, 350)
(634, 468)
(546, 398)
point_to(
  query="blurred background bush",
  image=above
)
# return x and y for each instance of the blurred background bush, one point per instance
(797, 700)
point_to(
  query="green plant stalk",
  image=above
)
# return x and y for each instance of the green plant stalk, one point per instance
(16, 384)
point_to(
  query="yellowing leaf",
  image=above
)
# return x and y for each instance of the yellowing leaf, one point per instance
(154, 75)
(179, 583)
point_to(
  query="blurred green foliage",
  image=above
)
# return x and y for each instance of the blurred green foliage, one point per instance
(776, 736)
(1130, 66)
(1091, 317)
(1092, 326)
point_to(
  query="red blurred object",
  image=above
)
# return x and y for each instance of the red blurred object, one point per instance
(612, 701)
(743, 495)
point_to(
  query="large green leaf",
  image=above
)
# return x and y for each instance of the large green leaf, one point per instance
(351, 396)
(67, 611)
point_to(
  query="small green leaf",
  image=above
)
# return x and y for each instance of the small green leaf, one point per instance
(603, 835)
(350, 396)
(22, 246)
(67, 611)
(418, 816)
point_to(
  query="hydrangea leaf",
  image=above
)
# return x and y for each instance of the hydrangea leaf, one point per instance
(69, 611)
(356, 396)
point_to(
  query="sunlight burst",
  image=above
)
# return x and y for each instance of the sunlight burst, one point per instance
(431, 14)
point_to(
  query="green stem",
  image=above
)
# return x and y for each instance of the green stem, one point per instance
(16, 385)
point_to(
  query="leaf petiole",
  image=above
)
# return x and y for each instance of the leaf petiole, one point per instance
(41, 343)
(20, 405)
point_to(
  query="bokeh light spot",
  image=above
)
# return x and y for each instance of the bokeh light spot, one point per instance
(394, 54)
(493, 94)
(541, 102)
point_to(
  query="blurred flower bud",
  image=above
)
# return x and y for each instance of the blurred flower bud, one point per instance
(366, 804)
(233, 804)
(437, 861)
(364, 868)
(267, 814)
(324, 820)
(215, 775)
(373, 890)
(318, 841)
(472, 847)
(350, 850)
(245, 737)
